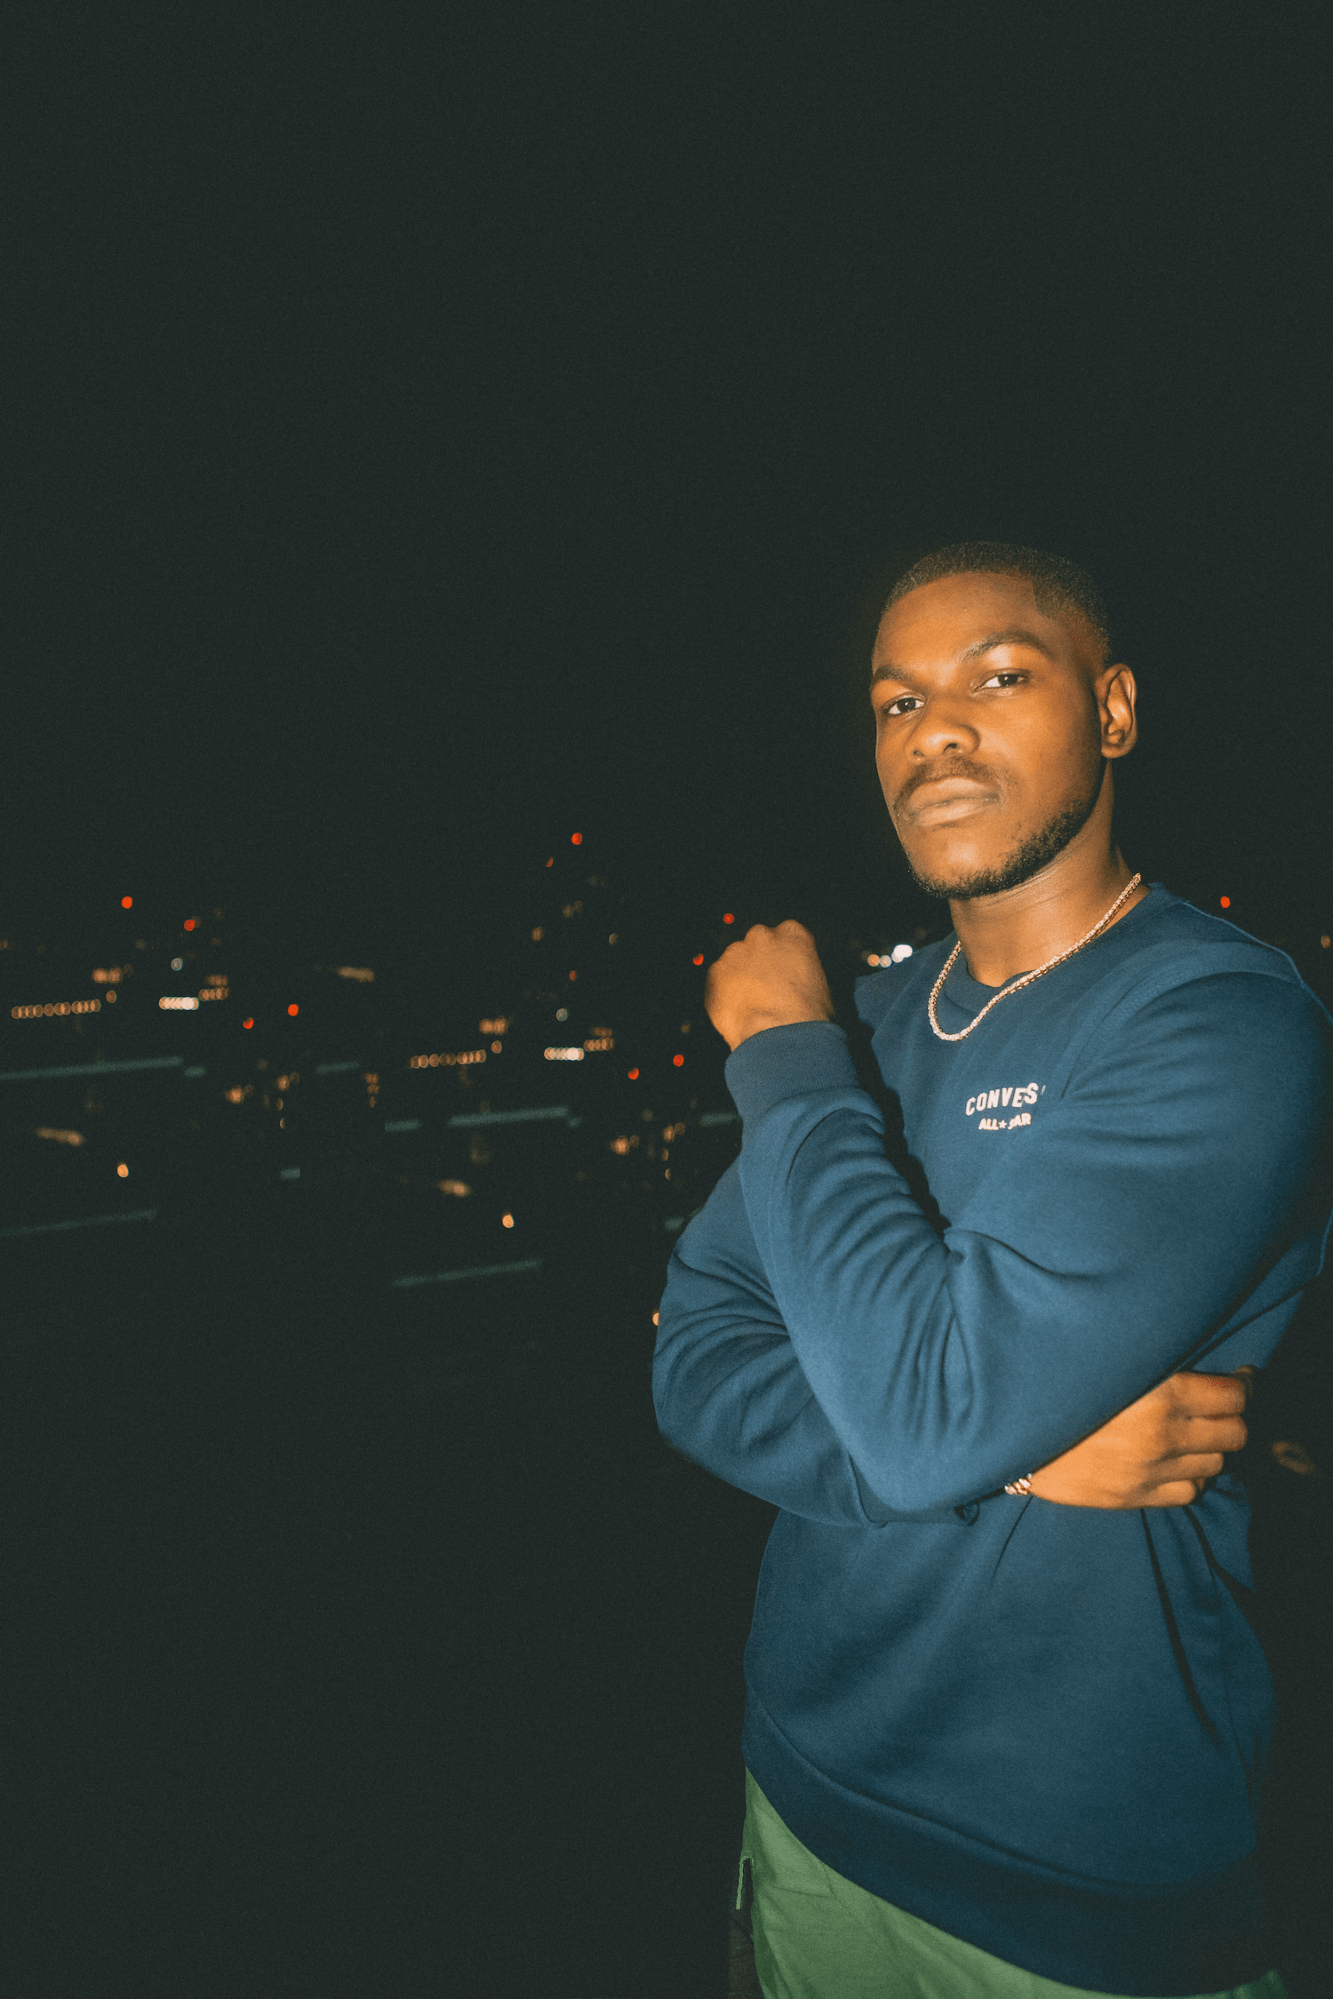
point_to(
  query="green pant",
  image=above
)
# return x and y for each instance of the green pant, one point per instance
(819, 1936)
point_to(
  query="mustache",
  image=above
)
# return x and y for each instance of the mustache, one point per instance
(934, 773)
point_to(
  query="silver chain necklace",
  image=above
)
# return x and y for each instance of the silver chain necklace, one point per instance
(1027, 977)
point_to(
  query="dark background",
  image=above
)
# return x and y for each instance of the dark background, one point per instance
(427, 431)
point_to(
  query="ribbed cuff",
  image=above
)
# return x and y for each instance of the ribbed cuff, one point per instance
(791, 1061)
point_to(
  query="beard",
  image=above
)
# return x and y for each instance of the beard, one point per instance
(1028, 859)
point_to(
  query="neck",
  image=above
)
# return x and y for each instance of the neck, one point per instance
(1025, 927)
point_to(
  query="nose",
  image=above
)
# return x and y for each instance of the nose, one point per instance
(941, 729)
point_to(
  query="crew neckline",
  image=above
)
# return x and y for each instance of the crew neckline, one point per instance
(970, 995)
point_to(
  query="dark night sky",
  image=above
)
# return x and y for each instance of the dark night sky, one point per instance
(428, 430)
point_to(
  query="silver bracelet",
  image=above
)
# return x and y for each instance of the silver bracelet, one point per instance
(1021, 1487)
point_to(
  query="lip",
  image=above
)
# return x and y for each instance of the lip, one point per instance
(948, 799)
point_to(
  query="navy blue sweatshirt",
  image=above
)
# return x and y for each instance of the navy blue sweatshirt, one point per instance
(1041, 1728)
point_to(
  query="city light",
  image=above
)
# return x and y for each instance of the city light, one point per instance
(111, 975)
(507, 1221)
(459, 1188)
(122, 1171)
(602, 1037)
(179, 1005)
(1226, 901)
(293, 1009)
(573, 975)
(563, 1054)
(361, 973)
(678, 1061)
(624, 1145)
(633, 1075)
(214, 990)
(55, 1008)
(447, 1061)
(249, 1022)
(127, 902)
(500, 1025)
(728, 918)
(698, 957)
(576, 839)
(60, 1137)
(497, 1048)
(189, 923)
(538, 933)
(899, 952)
(1324, 943)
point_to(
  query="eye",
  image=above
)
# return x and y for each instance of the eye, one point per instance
(1007, 677)
(895, 707)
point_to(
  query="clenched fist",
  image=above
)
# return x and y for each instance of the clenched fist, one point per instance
(767, 978)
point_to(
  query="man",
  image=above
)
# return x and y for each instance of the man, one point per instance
(1007, 1719)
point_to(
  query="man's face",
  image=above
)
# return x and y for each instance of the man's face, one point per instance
(987, 731)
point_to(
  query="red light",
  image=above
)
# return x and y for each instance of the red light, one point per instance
(189, 923)
(576, 839)
(633, 1075)
(127, 902)
(573, 975)
(1226, 902)
(293, 1008)
(698, 957)
(679, 1061)
(728, 918)
(248, 1023)
(551, 862)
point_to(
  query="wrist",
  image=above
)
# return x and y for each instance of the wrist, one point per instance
(757, 1023)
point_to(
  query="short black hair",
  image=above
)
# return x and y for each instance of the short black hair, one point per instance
(1057, 583)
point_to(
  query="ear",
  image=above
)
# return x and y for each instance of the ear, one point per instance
(1117, 698)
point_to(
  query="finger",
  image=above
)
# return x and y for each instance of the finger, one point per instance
(1207, 1433)
(1179, 1492)
(1193, 1465)
(1208, 1394)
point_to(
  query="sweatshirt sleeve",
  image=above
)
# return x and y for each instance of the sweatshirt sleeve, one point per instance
(1145, 1204)
(727, 1386)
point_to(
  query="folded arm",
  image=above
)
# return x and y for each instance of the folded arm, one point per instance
(919, 1372)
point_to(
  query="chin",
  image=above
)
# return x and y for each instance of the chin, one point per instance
(966, 875)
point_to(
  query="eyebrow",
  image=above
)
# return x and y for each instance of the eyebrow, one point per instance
(1012, 635)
